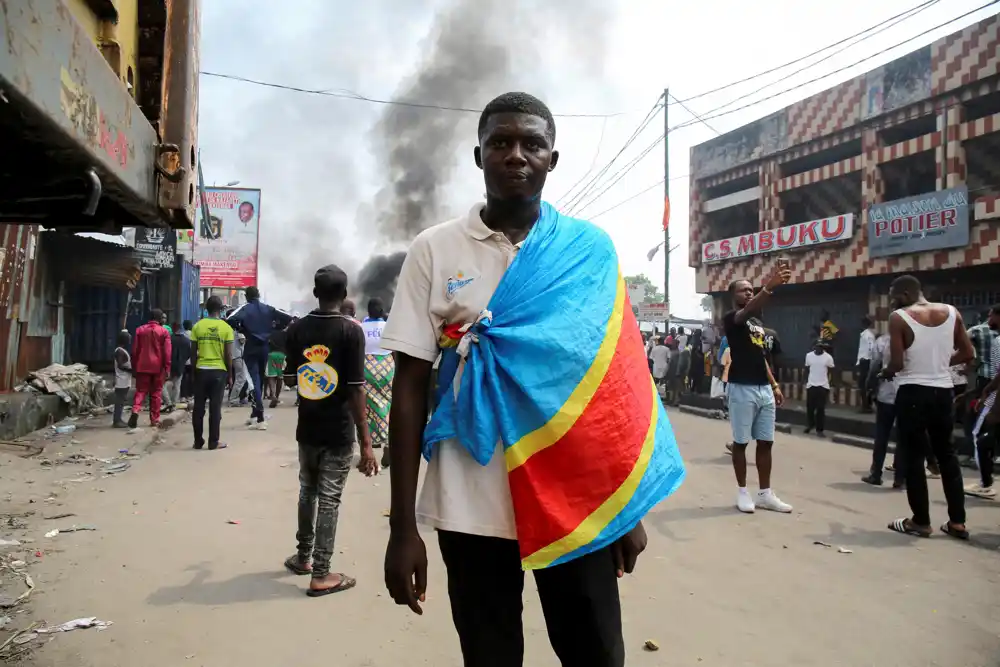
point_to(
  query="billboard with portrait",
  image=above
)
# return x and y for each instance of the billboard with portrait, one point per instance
(225, 245)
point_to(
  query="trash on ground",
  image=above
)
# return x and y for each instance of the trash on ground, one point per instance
(4, 621)
(822, 544)
(17, 563)
(9, 543)
(233, 522)
(76, 529)
(115, 468)
(133, 431)
(651, 645)
(75, 624)
(64, 429)
(75, 384)
(386, 513)
(64, 515)
(52, 533)
(844, 550)
(123, 451)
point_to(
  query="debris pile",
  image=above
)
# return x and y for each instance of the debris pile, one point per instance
(76, 385)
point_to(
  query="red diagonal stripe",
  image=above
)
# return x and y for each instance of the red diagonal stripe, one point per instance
(560, 486)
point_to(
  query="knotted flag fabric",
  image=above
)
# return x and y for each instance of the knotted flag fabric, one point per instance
(556, 370)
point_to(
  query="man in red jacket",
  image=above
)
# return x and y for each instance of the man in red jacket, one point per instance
(150, 366)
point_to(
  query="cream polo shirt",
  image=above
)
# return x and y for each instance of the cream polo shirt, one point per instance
(450, 273)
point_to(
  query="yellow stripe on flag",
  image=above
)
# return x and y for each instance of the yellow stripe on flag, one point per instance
(591, 527)
(559, 425)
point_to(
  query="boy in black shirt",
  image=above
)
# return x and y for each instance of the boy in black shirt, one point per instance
(752, 391)
(325, 362)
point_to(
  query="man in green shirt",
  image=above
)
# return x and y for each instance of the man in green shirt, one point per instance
(212, 360)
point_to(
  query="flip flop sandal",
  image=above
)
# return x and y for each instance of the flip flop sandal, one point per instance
(955, 532)
(906, 528)
(346, 583)
(294, 565)
(221, 445)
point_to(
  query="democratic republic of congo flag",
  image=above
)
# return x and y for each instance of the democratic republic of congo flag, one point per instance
(555, 369)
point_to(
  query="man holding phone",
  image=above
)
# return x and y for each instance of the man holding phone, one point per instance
(753, 392)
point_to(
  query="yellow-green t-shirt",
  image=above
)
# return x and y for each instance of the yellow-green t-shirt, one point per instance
(209, 336)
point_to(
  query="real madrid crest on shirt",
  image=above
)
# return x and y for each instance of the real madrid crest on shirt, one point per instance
(317, 379)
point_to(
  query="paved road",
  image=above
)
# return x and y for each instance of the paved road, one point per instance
(715, 588)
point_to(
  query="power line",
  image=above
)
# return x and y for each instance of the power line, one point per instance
(574, 198)
(688, 109)
(593, 163)
(617, 176)
(341, 93)
(635, 196)
(923, 5)
(711, 115)
(825, 58)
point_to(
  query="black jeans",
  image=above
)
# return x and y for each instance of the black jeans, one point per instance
(816, 398)
(121, 393)
(925, 418)
(885, 418)
(986, 448)
(209, 385)
(322, 476)
(864, 366)
(579, 601)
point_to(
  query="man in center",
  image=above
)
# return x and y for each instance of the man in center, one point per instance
(506, 255)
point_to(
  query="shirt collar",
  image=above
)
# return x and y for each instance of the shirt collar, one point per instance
(477, 229)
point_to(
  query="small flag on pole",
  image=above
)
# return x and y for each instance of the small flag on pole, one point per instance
(666, 213)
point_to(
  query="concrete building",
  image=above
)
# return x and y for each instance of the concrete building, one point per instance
(895, 171)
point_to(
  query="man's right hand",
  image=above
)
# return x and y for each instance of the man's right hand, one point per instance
(406, 569)
(780, 276)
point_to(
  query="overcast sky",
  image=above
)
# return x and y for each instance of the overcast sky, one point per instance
(318, 164)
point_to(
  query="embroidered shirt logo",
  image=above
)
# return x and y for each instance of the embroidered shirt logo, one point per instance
(316, 378)
(456, 283)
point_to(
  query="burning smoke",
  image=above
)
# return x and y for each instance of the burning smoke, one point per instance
(477, 46)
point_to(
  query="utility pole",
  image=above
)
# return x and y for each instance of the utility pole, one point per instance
(666, 200)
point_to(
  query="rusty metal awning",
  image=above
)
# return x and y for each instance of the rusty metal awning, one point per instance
(81, 149)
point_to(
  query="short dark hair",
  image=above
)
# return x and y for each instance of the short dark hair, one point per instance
(376, 308)
(519, 103)
(995, 309)
(330, 283)
(124, 337)
(156, 315)
(186, 324)
(867, 320)
(732, 285)
(906, 283)
(213, 305)
(176, 326)
(252, 293)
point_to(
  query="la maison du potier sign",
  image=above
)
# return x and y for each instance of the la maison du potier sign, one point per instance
(789, 237)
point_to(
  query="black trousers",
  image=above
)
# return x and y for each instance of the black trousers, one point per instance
(579, 601)
(864, 366)
(209, 385)
(925, 420)
(986, 448)
(885, 418)
(816, 398)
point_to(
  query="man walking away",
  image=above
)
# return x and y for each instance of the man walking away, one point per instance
(241, 376)
(753, 391)
(819, 363)
(866, 348)
(179, 359)
(257, 320)
(151, 353)
(123, 377)
(923, 339)
(660, 356)
(212, 357)
(885, 417)
(326, 363)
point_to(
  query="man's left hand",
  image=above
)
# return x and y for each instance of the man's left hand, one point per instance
(779, 398)
(626, 550)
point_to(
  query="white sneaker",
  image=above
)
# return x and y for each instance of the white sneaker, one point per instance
(768, 501)
(980, 491)
(744, 502)
(258, 426)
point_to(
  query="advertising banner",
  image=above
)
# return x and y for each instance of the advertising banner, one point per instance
(932, 221)
(155, 247)
(225, 246)
(185, 243)
(654, 312)
(798, 236)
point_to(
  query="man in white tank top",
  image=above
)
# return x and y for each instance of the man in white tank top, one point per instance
(925, 340)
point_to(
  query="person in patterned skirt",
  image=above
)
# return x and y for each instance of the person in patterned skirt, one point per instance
(380, 368)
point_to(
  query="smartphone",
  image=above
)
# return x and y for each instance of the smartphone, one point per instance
(784, 262)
